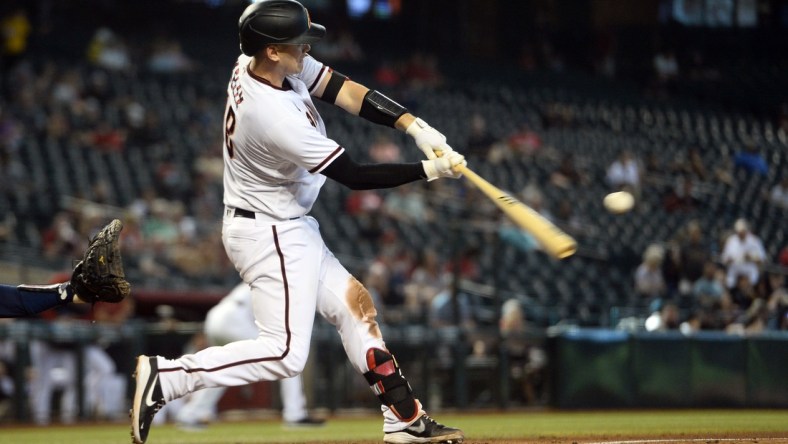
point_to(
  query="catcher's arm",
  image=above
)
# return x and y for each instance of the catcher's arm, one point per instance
(98, 277)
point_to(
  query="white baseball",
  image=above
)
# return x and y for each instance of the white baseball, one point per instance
(619, 202)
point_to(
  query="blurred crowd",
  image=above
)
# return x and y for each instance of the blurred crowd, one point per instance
(172, 225)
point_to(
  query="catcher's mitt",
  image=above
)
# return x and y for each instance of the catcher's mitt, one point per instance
(99, 276)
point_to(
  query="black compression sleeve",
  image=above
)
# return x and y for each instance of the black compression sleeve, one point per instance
(335, 83)
(358, 176)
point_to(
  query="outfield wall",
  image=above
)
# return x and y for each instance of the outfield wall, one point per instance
(585, 368)
(606, 368)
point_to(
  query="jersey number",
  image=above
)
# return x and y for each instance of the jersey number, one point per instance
(229, 129)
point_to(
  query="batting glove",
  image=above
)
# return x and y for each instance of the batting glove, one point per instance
(444, 166)
(428, 139)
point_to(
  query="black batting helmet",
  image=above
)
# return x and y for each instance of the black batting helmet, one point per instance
(276, 21)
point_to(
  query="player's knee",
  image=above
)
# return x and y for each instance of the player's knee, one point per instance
(293, 366)
(386, 380)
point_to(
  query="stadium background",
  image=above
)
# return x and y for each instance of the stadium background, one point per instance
(113, 109)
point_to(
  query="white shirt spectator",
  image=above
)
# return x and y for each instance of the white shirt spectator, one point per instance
(743, 253)
(779, 194)
(624, 171)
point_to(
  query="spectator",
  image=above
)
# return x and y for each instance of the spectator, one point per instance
(693, 256)
(15, 28)
(107, 50)
(782, 257)
(366, 206)
(398, 263)
(723, 170)
(777, 302)
(567, 175)
(67, 90)
(7, 387)
(624, 172)
(442, 307)
(697, 167)
(408, 204)
(750, 309)
(683, 196)
(570, 221)
(743, 293)
(750, 160)
(517, 237)
(467, 264)
(666, 66)
(167, 57)
(61, 238)
(533, 196)
(106, 138)
(527, 360)
(708, 290)
(524, 141)
(778, 195)
(480, 140)
(342, 47)
(426, 280)
(666, 318)
(384, 150)
(649, 281)
(15, 181)
(376, 281)
(743, 254)
(421, 71)
(387, 74)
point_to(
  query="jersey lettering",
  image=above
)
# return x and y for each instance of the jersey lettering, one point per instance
(229, 129)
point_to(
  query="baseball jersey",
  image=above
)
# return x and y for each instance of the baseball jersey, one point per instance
(275, 142)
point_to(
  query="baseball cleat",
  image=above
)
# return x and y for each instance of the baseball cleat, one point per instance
(306, 422)
(148, 398)
(425, 429)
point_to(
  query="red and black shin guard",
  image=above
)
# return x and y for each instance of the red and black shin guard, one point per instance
(386, 380)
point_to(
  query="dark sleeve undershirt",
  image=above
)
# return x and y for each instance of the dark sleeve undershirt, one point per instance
(17, 303)
(357, 176)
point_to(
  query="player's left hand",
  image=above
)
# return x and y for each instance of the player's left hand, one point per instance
(428, 139)
(444, 166)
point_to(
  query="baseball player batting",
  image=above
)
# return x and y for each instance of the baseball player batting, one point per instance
(276, 158)
(232, 320)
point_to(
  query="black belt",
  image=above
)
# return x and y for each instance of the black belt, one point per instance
(240, 212)
(244, 213)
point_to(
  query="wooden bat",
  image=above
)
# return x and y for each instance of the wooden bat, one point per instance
(554, 241)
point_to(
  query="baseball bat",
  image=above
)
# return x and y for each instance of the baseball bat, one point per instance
(553, 240)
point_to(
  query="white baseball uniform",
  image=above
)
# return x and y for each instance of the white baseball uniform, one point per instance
(275, 149)
(232, 320)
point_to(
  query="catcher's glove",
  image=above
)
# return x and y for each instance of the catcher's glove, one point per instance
(99, 276)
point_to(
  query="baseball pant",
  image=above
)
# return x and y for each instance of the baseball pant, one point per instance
(292, 274)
